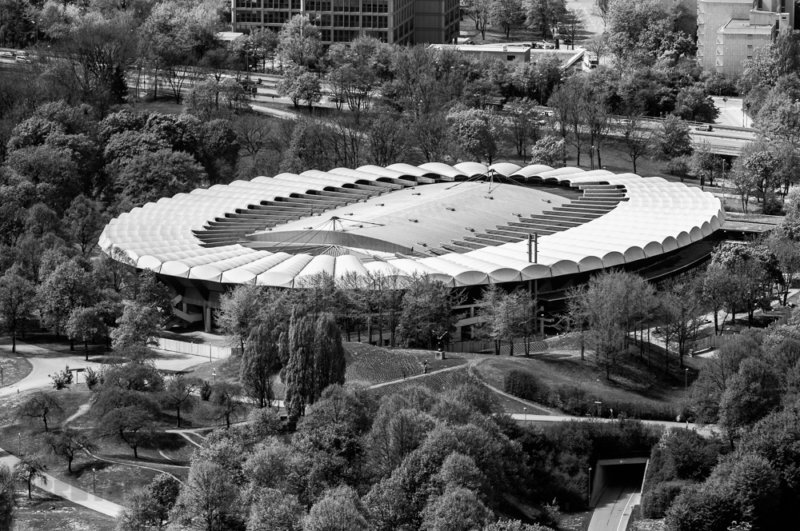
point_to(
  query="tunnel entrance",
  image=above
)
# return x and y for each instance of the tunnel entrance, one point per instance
(617, 475)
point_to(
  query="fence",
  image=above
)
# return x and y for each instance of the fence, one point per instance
(487, 347)
(196, 349)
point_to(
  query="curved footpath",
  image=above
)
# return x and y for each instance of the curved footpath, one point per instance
(46, 362)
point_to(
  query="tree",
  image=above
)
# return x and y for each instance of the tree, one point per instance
(40, 405)
(274, 510)
(507, 14)
(610, 306)
(67, 287)
(86, 324)
(151, 175)
(458, 508)
(16, 301)
(571, 25)
(692, 103)
(179, 395)
(138, 326)
(224, 397)
(548, 151)
(260, 361)
(426, 316)
(388, 138)
(150, 507)
(209, 500)
(299, 41)
(300, 85)
(645, 31)
(750, 394)
(508, 315)
(298, 374)
(338, 510)
(67, 444)
(762, 164)
(521, 119)
(7, 501)
(28, 470)
(329, 356)
(637, 137)
(702, 163)
(544, 15)
(238, 312)
(131, 425)
(84, 222)
(475, 131)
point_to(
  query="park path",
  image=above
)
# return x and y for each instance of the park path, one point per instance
(417, 376)
(706, 430)
(68, 492)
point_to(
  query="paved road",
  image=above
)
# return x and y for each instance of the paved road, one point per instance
(730, 112)
(614, 509)
(67, 491)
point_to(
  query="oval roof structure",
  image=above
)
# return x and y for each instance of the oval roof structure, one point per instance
(467, 224)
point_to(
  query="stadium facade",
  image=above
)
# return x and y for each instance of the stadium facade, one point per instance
(466, 225)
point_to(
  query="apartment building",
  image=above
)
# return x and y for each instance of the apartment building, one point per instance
(729, 31)
(391, 21)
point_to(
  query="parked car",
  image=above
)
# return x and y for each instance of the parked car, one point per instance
(8, 55)
(23, 59)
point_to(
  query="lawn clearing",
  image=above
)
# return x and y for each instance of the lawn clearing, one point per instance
(634, 384)
(438, 382)
(369, 365)
(47, 511)
(13, 369)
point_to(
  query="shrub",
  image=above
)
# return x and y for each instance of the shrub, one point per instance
(525, 385)
(205, 391)
(61, 379)
(657, 500)
(92, 378)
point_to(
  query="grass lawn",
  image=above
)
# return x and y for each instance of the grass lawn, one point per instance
(633, 384)
(369, 365)
(13, 369)
(46, 511)
(438, 382)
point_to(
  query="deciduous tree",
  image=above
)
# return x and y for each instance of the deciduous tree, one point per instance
(16, 301)
(41, 405)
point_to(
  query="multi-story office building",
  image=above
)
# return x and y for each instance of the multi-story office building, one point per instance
(729, 31)
(392, 21)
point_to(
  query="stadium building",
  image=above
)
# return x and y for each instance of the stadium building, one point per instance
(466, 225)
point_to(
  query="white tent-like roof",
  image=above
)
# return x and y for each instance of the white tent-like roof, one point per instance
(655, 217)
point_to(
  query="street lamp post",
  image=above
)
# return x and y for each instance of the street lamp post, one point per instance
(686, 379)
(525, 413)
(94, 480)
(19, 443)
